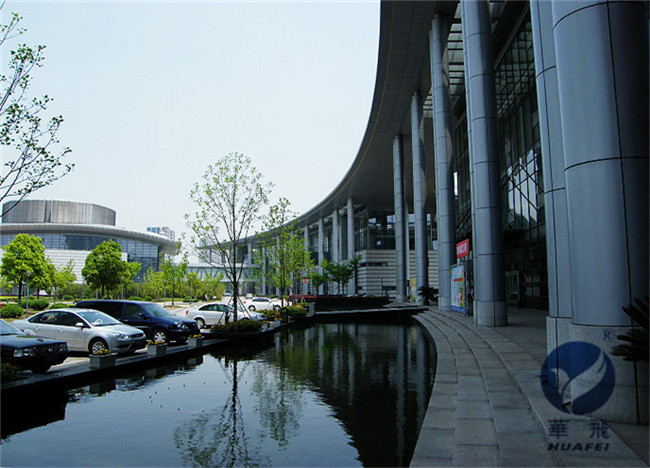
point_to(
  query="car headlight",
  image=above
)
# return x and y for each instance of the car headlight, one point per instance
(25, 352)
(122, 336)
(63, 348)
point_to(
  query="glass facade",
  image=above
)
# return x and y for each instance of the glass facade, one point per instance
(375, 230)
(137, 251)
(521, 173)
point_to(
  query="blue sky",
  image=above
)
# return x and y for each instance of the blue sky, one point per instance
(153, 92)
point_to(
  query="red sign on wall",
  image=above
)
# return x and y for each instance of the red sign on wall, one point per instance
(462, 248)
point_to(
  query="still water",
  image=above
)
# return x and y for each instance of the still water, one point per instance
(329, 395)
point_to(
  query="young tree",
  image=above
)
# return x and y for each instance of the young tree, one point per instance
(228, 202)
(318, 278)
(63, 277)
(24, 257)
(173, 274)
(282, 253)
(31, 157)
(104, 268)
(153, 283)
(340, 273)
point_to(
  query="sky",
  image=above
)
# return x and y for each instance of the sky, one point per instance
(152, 92)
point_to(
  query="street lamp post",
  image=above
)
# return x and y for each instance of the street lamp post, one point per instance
(122, 284)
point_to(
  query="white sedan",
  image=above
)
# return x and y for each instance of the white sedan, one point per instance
(215, 313)
(261, 303)
(85, 330)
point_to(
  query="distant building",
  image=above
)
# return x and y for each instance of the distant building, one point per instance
(70, 230)
(163, 231)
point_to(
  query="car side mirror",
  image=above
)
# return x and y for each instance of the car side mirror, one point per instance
(79, 325)
(142, 315)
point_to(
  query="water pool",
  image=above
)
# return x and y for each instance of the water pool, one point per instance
(329, 395)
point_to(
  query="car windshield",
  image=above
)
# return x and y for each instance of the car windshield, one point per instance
(6, 329)
(157, 310)
(98, 319)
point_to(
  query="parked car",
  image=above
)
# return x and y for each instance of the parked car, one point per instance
(28, 352)
(215, 312)
(84, 330)
(153, 319)
(261, 303)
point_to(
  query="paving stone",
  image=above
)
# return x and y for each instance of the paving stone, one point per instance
(431, 461)
(434, 442)
(474, 409)
(475, 432)
(439, 418)
(477, 455)
(508, 420)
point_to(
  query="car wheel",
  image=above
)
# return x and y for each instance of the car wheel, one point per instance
(98, 346)
(251, 308)
(40, 369)
(159, 335)
(200, 322)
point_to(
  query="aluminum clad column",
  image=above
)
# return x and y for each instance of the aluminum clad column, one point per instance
(321, 251)
(400, 220)
(444, 155)
(419, 198)
(336, 258)
(351, 252)
(487, 232)
(601, 51)
(555, 204)
(305, 286)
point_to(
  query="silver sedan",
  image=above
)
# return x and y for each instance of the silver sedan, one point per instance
(84, 330)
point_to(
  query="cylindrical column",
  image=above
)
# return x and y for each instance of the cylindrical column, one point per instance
(351, 251)
(601, 51)
(419, 197)
(321, 250)
(557, 221)
(444, 154)
(400, 203)
(336, 257)
(305, 286)
(489, 278)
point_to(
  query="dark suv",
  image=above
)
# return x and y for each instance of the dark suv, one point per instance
(156, 321)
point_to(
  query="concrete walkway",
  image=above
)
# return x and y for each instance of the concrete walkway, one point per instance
(487, 407)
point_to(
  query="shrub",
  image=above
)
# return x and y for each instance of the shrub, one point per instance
(108, 298)
(296, 311)
(36, 304)
(187, 299)
(271, 314)
(58, 305)
(68, 297)
(134, 298)
(11, 311)
(240, 326)
(9, 372)
(148, 298)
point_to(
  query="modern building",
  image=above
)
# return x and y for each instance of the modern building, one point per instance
(163, 231)
(70, 230)
(517, 131)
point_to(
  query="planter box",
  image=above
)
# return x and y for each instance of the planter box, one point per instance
(103, 361)
(193, 343)
(157, 350)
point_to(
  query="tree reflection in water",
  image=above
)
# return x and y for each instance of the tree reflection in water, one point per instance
(219, 438)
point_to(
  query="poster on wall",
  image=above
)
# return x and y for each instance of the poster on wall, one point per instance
(458, 294)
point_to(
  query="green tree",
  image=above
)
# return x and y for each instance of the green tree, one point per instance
(318, 279)
(104, 267)
(24, 257)
(153, 284)
(31, 156)
(282, 252)
(214, 286)
(228, 202)
(339, 273)
(173, 274)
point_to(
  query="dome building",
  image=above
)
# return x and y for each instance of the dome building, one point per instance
(71, 230)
